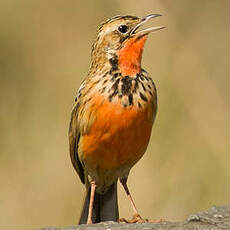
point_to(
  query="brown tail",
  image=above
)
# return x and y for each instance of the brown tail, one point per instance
(105, 206)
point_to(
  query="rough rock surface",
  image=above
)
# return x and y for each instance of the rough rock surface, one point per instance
(213, 219)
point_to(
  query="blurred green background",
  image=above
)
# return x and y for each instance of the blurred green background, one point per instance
(44, 55)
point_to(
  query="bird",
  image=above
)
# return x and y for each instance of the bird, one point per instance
(112, 117)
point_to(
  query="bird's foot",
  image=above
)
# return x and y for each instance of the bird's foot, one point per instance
(138, 219)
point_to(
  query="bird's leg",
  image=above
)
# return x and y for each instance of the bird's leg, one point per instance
(136, 216)
(91, 201)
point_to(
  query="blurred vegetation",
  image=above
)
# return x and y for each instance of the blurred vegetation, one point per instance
(44, 55)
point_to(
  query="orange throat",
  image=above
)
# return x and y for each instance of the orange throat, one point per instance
(129, 56)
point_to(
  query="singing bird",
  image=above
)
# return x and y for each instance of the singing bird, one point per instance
(112, 118)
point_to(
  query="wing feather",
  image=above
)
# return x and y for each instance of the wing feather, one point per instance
(74, 137)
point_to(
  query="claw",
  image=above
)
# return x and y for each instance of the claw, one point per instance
(138, 219)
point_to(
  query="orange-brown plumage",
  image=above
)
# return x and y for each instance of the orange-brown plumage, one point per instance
(113, 115)
(129, 57)
(107, 143)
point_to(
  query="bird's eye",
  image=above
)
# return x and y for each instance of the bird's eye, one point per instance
(123, 29)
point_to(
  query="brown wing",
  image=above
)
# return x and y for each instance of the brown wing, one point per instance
(74, 137)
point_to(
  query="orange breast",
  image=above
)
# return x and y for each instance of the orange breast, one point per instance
(118, 135)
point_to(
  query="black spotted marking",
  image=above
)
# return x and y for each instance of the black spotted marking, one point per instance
(115, 75)
(97, 81)
(126, 85)
(145, 75)
(114, 63)
(103, 89)
(136, 86)
(140, 76)
(115, 89)
(139, 104)
(144, 71)
(113, 95)
(143, 97)
(115, 85)
(143, 86)
(149, 86)
(104, 81)
(120, 95)
(152, 81)
(146, 78)
(130, 99)
(104, 75)
(150, 92)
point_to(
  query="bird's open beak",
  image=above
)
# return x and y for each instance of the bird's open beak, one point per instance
(148, 30)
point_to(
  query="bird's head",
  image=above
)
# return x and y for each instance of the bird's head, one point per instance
(120, 43)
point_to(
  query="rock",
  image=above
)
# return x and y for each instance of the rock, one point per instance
(215, 218)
